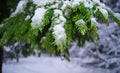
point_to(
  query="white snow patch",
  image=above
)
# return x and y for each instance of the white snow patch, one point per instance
(27, 17)
(7, 49)
(78, 1)
(81, 21)
(96, 1)
(88, 3)
(75, 4)
(66, 4)
(81, 25)
(58, 29)
(59, 34)
(47, 65)
(99, 3)
(62, 19)
(54, 6)
(93, 21)
(57, 12)
(42, 2)
(38, 17)
(20, 7)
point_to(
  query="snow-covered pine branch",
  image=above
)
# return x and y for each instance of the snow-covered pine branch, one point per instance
(51, 25)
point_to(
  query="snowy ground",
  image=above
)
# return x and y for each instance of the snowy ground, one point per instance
(47, 65)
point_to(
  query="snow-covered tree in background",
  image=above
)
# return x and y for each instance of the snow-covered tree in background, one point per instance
(52, 25)
(105, 52)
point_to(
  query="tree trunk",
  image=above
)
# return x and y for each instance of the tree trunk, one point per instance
(4, 13)
(1, 59)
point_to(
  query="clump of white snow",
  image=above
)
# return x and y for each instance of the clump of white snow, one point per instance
(66, 4)
(57, 12)
(93, 21)
(59, 34)
(42, 2)
(96, 1)
(81, 26)
(75, 4)
(58, 29)
(88, 3)
(27, 17)
(54, 6)
(38, 17)
(81, 21)
(20, 7)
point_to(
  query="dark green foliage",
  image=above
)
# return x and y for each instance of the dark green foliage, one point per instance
(47, 19)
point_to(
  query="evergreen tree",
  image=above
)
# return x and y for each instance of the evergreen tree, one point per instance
(52, 25)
